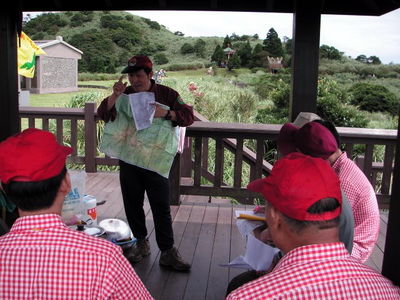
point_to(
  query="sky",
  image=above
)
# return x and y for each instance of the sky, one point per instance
(353, 35)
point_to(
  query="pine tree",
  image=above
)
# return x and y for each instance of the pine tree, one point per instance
(244, 53)
(227, 42)
(218, 55)
(272, 44)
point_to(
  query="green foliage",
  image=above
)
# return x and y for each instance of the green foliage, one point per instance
(160, 59)
(373, 98)
(234, 62)
(152, 24)
(179, 33)
(218, 55)
(200, 47)
(44, 24)
(272, 44)
(187, 48)
(329, 52)
(259, 57)
(101, 48)
(244, 52)
(227, 42)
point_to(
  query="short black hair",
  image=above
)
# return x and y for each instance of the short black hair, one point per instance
(321, 206)
(31, 196)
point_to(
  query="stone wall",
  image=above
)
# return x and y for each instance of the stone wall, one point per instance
(58, 73)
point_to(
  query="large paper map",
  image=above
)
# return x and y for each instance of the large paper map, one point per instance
(153, 148)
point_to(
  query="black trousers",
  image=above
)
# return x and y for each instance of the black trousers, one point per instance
(134, 182)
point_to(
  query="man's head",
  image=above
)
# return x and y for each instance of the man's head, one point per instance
(313, 139)
(140, 72)
(305, 192)
(32, 166)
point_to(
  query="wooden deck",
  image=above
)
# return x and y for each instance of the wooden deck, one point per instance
(205, 234)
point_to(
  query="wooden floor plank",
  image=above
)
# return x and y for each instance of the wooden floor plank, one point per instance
(237, 243)
(176, 283)
(197, 283)
(219, 276)
(159, 276)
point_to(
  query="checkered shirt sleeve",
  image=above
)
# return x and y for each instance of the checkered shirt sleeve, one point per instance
(319, 271)
(41, 258)
(364, 204)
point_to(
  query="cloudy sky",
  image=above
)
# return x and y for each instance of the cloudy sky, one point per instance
(353, 35)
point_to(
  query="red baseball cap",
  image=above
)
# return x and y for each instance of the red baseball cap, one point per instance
(312, 139)
(296, 182)
(137, 62)
(32, 155)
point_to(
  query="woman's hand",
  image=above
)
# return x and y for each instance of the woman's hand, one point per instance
(118, 88)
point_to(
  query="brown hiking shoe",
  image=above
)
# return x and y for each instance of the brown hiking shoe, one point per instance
(172, 259)
(138, 251)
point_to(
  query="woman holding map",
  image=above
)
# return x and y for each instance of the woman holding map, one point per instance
(142, 131)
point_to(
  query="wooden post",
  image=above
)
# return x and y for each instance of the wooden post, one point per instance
(391, 261)
(9, 121)
(90, 138)
(305, 59)
(175, 181)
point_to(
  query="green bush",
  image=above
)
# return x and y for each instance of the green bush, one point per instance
(373, 98)
(187, 48)
(160, 59)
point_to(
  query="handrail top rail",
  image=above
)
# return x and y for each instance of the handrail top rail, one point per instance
(223, 128)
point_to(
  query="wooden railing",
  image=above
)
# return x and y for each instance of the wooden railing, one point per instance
(219, 159)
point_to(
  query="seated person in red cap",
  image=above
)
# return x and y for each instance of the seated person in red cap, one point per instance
(135, 180)
(303, 204)
(40, 257)
(320, 139)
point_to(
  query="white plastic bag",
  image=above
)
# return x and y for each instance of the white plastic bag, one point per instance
(73, 203)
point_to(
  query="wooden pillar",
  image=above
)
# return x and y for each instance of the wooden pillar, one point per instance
(305, 57)
(391, 260)
(9, 121)
(90, 137)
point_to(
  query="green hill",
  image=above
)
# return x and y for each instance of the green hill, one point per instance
(108, 39)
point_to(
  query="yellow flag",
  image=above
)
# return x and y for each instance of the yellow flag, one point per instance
(27, 52)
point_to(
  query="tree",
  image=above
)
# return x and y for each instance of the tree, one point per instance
(244, 52)
(330, 52)
(200, 47)
(272, 44)
(259, 57)
(374, 60)
(218, 55)
(187, 48)
(227, 42)
(160, 59)
(362, 58)
(234, 62)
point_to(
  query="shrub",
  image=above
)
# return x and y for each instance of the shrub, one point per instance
(160, 59)
(373, 98)
(180, 67)
(187, 48)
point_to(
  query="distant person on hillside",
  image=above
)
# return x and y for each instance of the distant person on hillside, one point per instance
(40, 257)
(320, 139)
(303, 204)
(154, 148)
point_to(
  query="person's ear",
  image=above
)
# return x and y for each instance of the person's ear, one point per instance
(274, 218)
(65, 186)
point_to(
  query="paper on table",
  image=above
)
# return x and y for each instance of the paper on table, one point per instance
(258, 256)
(246, 227)
(142, 109)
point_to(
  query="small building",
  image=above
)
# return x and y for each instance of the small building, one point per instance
(56, 72)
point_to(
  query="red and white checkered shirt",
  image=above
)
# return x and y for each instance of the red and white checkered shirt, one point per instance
(319, 271)
(41, 258)
(362, 199)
